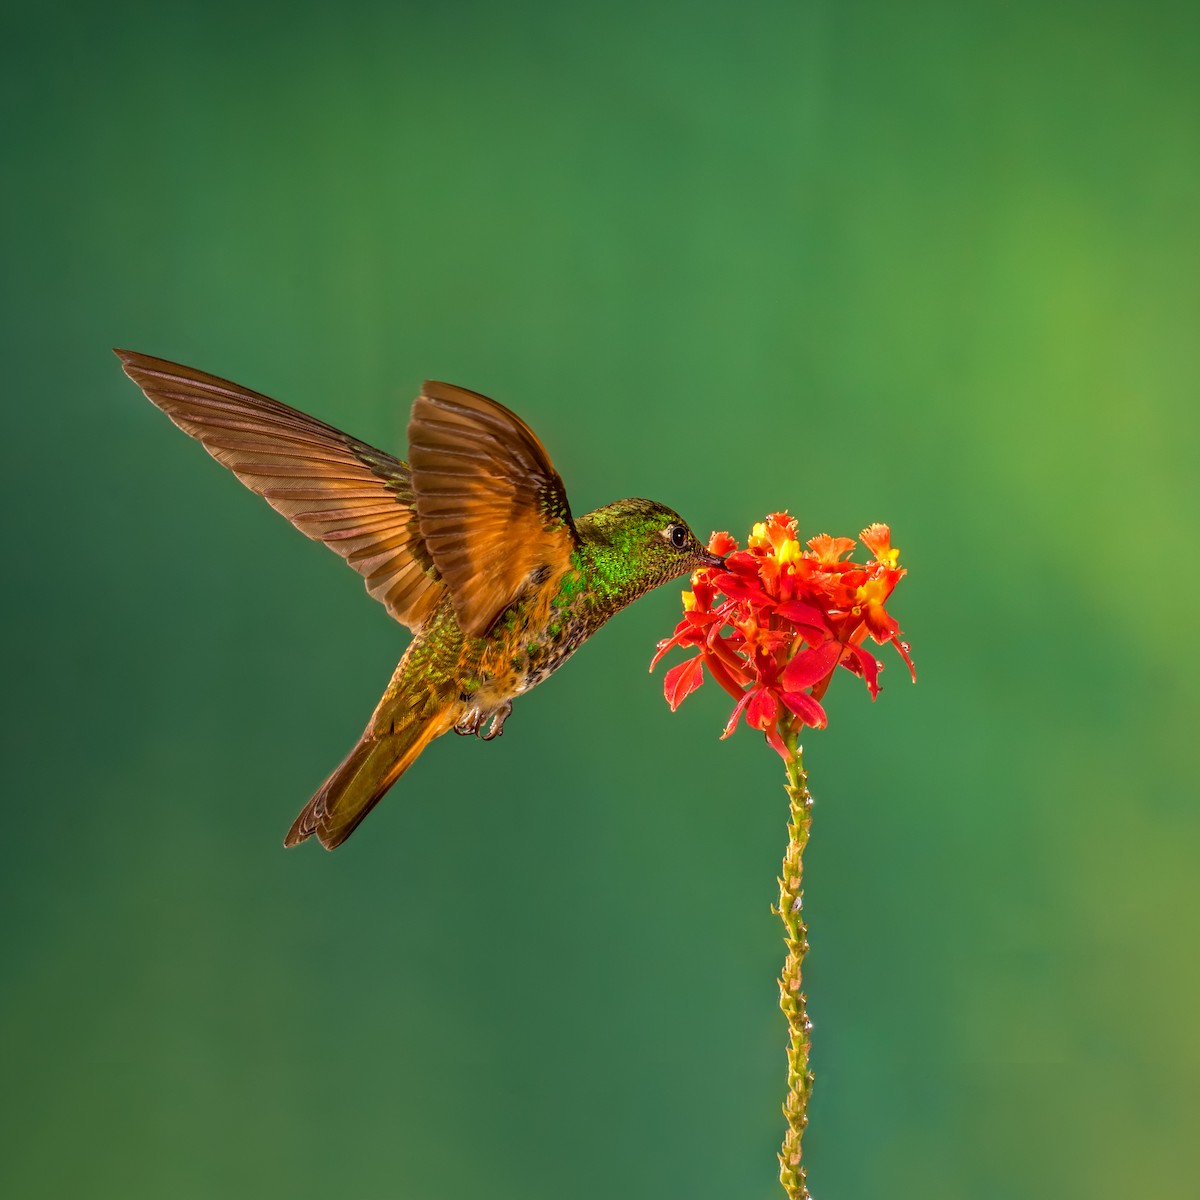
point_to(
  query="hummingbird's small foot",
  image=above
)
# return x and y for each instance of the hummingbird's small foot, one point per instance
(475, 719)
(496, 728)
(470, 723)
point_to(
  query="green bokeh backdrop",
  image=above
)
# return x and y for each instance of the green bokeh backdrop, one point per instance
(936, 265)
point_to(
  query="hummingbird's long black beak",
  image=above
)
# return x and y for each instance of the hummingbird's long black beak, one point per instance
(712, 560)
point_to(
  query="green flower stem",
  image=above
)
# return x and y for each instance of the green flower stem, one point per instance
(791, 998)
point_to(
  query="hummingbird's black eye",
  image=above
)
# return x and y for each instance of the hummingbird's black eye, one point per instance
(678, 536)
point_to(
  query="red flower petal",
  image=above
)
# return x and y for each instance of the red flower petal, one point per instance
(738, 709)
(663, 647)
(806, 708)
(862, 662)
(878, 539)
(762, 709)
(829, 549)
(798, 613)
(736, 587)
(742, 562)
(811, 666)
(682, 680)
(771, 733)
(733, 682)
(882, 625)
(682, 636)
(722, 544)
(903, 648)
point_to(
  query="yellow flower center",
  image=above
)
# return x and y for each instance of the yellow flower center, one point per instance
(872, 592)
(790, 551)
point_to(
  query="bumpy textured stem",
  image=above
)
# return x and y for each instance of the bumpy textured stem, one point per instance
(791, 998)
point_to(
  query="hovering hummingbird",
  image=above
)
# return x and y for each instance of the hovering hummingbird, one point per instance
(471, 544)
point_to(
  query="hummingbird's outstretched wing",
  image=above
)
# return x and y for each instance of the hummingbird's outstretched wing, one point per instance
(491, 507)
(332, 487)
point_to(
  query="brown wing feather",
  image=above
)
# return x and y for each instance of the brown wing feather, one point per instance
(492, 509)
(332, 487)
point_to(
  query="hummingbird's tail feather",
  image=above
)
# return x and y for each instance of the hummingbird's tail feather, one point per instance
(382, 755)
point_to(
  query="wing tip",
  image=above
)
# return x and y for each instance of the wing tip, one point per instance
(134, 363)
(451, 393)
(432, 388)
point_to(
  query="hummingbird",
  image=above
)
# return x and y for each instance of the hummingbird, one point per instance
(471, 544)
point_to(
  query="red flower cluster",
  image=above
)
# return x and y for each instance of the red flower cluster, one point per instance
(777, 621)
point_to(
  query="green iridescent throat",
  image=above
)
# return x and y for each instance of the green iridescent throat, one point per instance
(621, 556)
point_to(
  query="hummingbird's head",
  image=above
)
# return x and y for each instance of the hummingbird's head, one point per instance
(645, 543)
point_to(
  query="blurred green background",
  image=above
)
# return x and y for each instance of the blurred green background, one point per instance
(936, 265)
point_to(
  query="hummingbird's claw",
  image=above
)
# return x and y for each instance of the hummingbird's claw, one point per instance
(496, 728)
(474, 721)
(470, 723)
